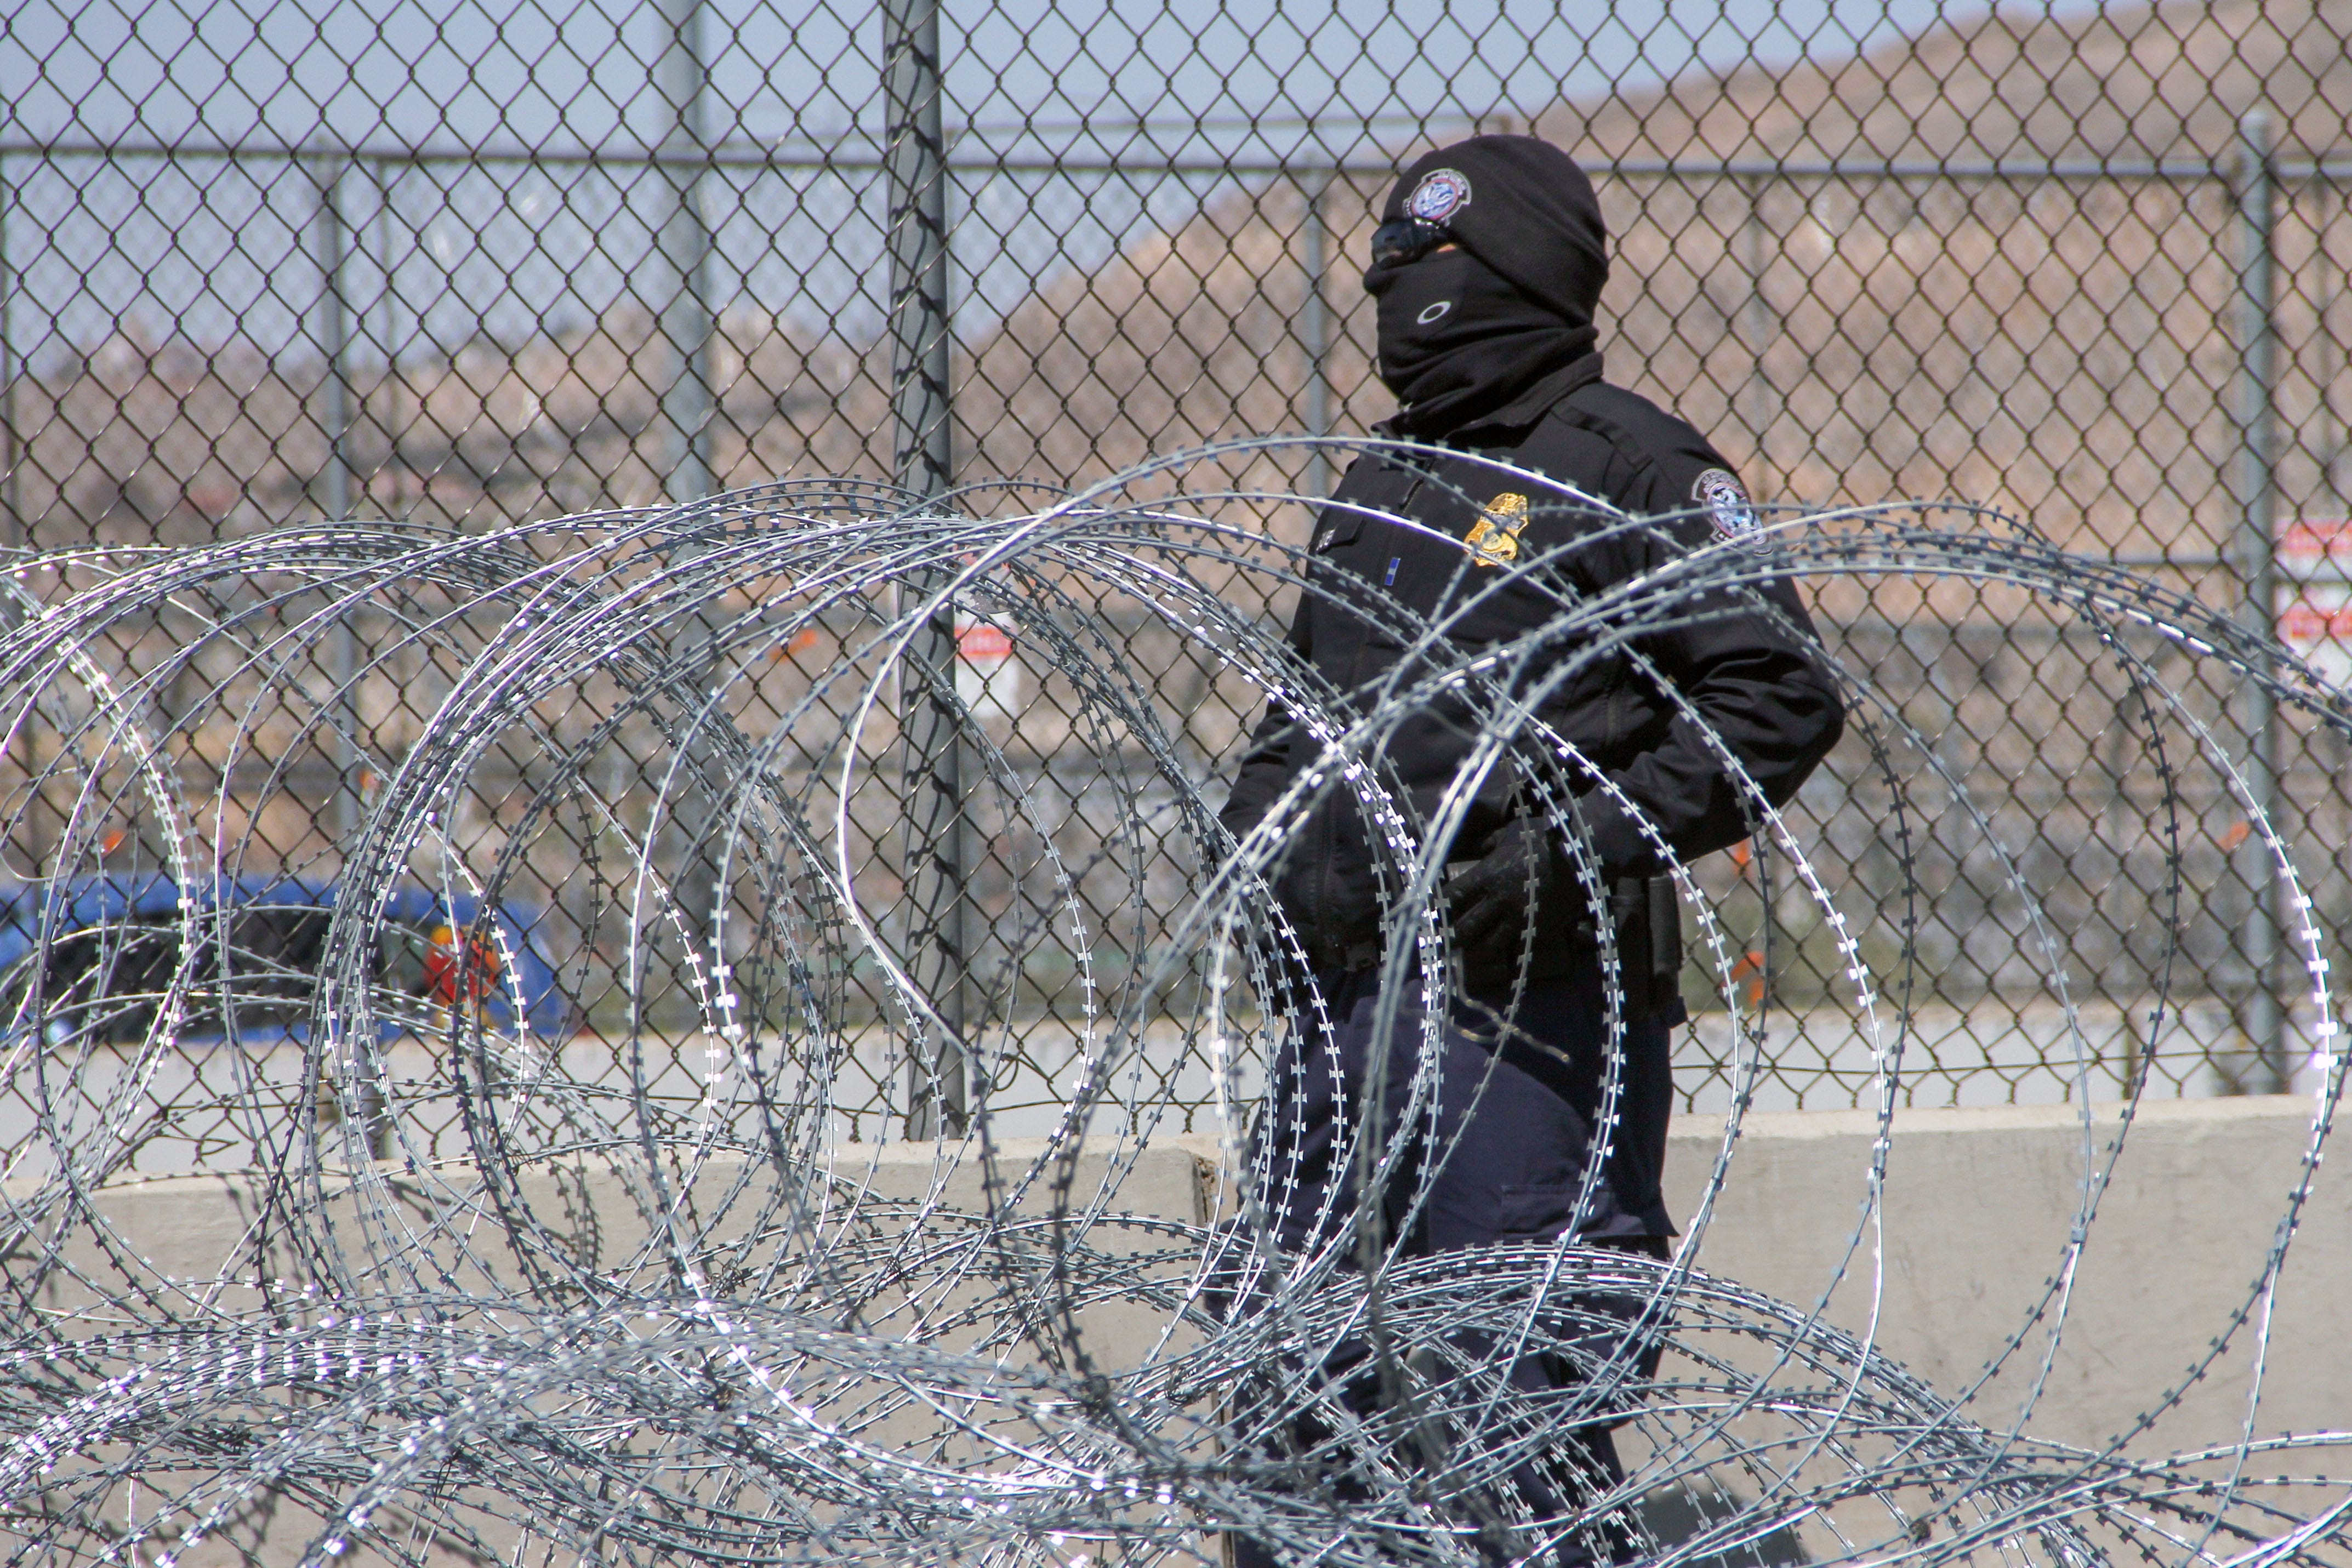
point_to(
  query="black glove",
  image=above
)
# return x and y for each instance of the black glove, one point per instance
(1525, 877)
(1492, 901)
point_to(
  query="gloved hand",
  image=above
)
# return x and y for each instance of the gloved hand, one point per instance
(1493, 899)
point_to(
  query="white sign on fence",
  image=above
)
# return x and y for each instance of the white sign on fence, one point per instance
(988, 677)
(2314, 593)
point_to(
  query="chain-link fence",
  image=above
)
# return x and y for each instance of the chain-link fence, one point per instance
(471, 264)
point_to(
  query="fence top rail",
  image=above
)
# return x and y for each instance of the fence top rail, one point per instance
(785, 157)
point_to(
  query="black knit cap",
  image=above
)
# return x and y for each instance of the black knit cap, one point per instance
(1531, 215)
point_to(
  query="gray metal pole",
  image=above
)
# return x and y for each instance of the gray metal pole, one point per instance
(1758, 312)
(13, 532)
(2331, 370)
(939, 923)
(681, 284)
(334, 493)
(916, 153)
(362, 1095)
(2256, 489)
(680, 278)
(1315, 327)
(335, 481)
(393, 408)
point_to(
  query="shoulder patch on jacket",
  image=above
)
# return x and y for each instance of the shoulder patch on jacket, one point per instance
(1493, 539)
(1728, 506)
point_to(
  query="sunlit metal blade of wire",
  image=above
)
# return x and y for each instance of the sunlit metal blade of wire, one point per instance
(665, 1288)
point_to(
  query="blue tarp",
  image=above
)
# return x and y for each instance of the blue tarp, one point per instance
(153, 900)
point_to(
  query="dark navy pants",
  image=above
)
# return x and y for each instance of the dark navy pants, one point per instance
(1518, 1098)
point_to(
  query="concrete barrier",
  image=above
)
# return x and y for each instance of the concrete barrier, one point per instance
(222, 1236)
(1978, 1209)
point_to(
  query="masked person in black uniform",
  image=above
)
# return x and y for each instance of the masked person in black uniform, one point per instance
(1487, 268)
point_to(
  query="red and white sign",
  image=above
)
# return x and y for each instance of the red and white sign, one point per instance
(2311, 547)
(988, 677)
(2314, 593)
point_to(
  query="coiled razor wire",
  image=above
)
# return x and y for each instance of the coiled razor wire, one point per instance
(505, 1309)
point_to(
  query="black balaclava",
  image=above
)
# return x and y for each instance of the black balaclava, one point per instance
(1465, 331)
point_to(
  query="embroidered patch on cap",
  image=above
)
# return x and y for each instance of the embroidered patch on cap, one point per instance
(1493, 539)
(1441, 193)
(1728, 506)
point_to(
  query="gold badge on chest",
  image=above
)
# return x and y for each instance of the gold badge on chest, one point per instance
(1493, 539)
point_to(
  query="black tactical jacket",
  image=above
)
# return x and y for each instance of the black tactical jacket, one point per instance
(1752, 680)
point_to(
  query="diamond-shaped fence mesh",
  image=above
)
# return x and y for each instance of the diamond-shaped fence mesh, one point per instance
(471, 263)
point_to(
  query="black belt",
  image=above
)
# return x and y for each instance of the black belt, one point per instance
(1648, 922)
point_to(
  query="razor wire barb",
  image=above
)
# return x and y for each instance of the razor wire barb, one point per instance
(658, 1291)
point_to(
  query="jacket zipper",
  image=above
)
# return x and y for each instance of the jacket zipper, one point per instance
(1325, 900)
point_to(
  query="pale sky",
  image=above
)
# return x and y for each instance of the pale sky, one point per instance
(467, 73)
(441, 251)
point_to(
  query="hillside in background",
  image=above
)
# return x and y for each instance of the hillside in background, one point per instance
(140, 440)
(2113, 82)
(2056, 346)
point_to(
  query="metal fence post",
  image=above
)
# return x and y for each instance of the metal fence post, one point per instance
(682, 275)
(1758, 312)
(1315, 330)
(12, 533)
(361, 1069)
(2256, 495)
(937, 897)
(682, 285)
(334, 493)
